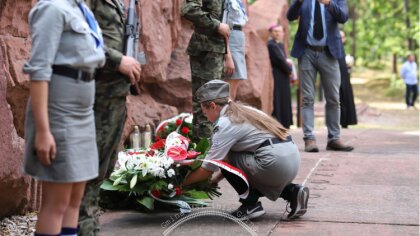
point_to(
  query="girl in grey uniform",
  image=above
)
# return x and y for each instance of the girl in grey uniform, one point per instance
(255, 143)
(60, 146)
(236, 18)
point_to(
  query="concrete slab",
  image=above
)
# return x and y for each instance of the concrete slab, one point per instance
(342, 229)
(373, 190)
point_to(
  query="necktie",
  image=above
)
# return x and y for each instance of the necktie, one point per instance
(93, 25)
(318, 32)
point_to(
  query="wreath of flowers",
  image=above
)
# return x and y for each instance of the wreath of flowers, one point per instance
(156, 173)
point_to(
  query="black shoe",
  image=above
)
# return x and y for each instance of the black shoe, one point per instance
(249, 212)
(298, 202)
(337, 145)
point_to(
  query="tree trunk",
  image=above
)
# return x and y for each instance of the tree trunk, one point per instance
(408, 25)
(394, 63)
(353, 31)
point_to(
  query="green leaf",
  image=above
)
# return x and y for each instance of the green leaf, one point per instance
(148, 202)
(141, 188)
(196, 194)
(133, 181)
(118, 180)
(108, 185)
(203, 145)
(161, 184)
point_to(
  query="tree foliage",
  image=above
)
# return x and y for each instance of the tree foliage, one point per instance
(378, 29)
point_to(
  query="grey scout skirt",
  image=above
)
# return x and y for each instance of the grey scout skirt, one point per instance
(237, 48)
(71, 118)
(270, 168)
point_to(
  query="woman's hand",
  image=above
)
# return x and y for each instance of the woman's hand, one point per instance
(216, 179)
(229, 64)
(197, 176)
(45, 147)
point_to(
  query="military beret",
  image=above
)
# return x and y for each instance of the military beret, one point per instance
(212, 90)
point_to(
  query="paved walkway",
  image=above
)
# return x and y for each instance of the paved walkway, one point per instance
(373, 190)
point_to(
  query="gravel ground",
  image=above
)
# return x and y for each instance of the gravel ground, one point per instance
(18, 225)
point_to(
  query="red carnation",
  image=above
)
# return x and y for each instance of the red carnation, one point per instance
(156, 193)
(178, 191)
(158, 144)
(185, 130)
(178, 122)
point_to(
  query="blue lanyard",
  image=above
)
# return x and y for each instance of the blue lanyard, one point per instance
(93, 25)
(242, 6)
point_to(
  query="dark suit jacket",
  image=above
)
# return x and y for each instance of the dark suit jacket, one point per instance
(335, 12)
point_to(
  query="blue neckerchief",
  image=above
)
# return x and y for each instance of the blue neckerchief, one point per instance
(93, 25)
(242, 6)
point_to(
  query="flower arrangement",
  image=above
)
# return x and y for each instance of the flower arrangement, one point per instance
(156, 173)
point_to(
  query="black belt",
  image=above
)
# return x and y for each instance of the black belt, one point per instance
(237, 27)
(72, 73)
(274, 141)
(317, 48)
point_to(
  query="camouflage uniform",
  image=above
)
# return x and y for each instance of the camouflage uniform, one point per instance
(110, 106)
(206, 50)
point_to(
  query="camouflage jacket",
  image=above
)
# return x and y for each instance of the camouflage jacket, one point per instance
(110, 15)
(206, 16)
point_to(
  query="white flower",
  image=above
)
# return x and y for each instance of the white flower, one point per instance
(188, 119)
(170, 186)
(170, 173)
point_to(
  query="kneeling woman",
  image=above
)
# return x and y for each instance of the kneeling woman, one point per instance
(255, 143)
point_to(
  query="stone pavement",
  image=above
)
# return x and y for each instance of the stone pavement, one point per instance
(373, 190)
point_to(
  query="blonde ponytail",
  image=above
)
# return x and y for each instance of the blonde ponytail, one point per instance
(239, 113)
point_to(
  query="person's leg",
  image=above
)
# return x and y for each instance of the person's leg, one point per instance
(204, 67)
(251, 208)
(71, 216)
(110, 115)
(407, 95)
(411, 94)
(234, 83)
(415, 93)
(330, 78)
(297, 196)
(201, 126)
(307, 86)
(237, 183)
(55, 201)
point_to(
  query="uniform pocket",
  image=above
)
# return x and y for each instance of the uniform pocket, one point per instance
(79, 26)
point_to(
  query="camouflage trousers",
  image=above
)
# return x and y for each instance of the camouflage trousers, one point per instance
(204, 67)
(110, 115)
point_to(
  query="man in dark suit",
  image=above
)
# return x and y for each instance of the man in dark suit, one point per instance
(318, 46)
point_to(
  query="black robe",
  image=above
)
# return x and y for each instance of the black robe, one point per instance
(348, 114)
(282, 102)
